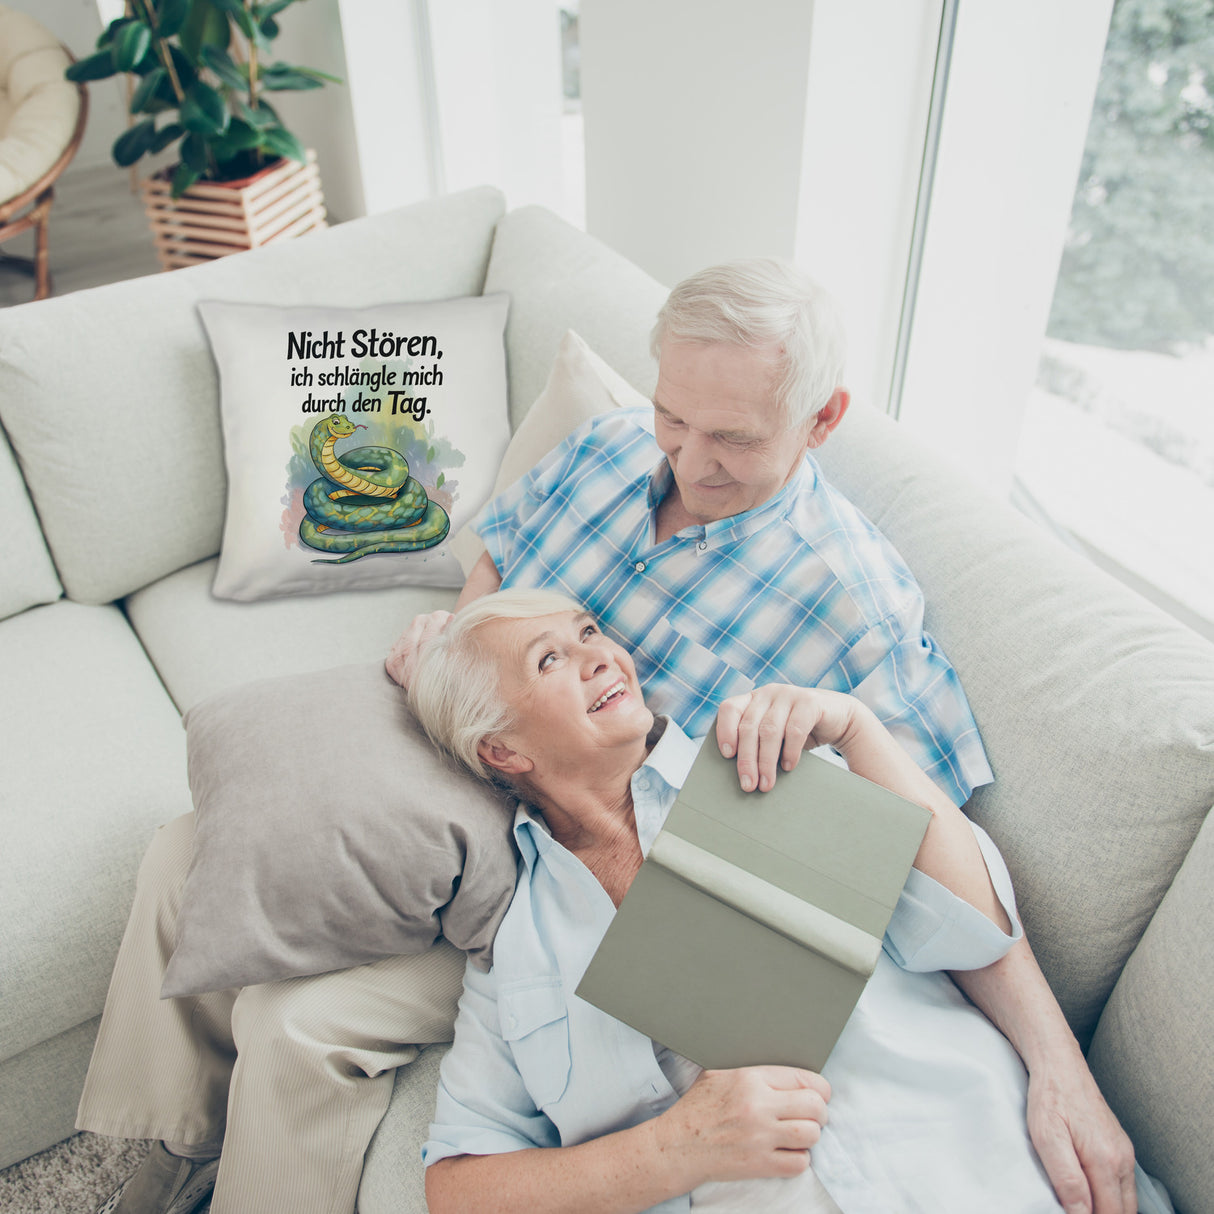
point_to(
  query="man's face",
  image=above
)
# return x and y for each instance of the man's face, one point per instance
(716, 419)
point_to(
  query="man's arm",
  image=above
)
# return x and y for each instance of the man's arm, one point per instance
(483, 579)
(1087, 1155)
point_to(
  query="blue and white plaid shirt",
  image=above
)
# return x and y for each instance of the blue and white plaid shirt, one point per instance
(802, 589)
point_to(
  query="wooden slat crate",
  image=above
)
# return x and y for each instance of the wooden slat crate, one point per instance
(213, 219)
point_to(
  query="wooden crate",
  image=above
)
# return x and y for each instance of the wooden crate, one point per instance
(215, 218)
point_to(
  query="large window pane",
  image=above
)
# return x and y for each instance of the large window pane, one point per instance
(1118, 441)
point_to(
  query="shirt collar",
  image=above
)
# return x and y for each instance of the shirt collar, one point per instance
(737, 526)
(655, 784)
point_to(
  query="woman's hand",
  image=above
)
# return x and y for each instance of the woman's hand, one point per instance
(772, 725)
(750, 1122)
(402, 660)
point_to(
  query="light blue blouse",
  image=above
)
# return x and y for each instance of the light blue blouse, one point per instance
(928, 1104)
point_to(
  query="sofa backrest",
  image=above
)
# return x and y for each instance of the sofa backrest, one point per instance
(110, 397)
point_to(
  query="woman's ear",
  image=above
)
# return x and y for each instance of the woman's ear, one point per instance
(494, 753)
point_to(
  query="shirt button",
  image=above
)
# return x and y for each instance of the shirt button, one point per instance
(639, 566)
(702, 545)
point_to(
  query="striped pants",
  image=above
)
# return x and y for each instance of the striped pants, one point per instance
(292, 1076)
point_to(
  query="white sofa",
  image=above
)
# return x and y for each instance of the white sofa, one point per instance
(1097, 711)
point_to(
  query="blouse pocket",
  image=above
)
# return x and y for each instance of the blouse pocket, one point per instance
(535, 1023)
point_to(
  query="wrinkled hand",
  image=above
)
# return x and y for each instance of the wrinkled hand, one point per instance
(772, 725)
(1086, 1154)
(750, 1122)
(403, 656)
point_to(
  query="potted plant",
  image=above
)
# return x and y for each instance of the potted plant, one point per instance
(201, 71)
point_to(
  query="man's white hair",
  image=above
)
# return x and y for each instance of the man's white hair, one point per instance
(763, 303)
(454, 691)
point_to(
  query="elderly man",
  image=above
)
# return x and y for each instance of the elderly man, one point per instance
(704, 538)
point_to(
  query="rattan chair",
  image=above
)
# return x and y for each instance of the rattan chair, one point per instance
(42, 117)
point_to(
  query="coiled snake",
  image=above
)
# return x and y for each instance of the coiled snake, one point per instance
(365, 501)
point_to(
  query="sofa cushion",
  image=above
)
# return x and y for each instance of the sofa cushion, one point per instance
(580, 386)
(93, 760)
(306, 513)
(558, 279)
(1097, 711)
(111, 400)
(1152, 1054)
(202, 645)
(29, 574)
(330, 833)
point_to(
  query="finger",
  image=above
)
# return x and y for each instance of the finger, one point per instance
(1105, 1182)
(1129, 1192)
(790, 1078)
(771, 743)
(728, 717)
(798, 732)
(1066, 1174)
(748, 742)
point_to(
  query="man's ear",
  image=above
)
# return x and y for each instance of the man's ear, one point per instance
(501, 758)
(829, 416)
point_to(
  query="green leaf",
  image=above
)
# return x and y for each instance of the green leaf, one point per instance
(235, 10)
(225, 67)
(106, 38)
(187, 73)
(166, 135)
(131, 43)
(271, 9)
(183, 178)
(144, 97)
(240, 137)
(205, 26)
(194, 153)
(203, 111)
(317, 74)
(281, 142)
(261, 118)
(268, 28)
(171, 16)
(95, 67)
(132, 144)
(279, 77)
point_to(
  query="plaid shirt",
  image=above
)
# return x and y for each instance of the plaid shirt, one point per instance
(802, 589)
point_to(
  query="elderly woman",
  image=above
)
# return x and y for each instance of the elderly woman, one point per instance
(546, 1103)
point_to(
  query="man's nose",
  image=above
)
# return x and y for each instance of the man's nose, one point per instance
(697, 458)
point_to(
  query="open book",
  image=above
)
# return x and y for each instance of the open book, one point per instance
(755, 921)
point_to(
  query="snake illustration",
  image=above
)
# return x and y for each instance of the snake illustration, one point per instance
(365, 501)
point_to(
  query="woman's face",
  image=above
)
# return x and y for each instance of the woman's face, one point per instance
(573, 692)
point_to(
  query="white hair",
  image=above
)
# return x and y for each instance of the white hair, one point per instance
(763, 303)
(454, 691)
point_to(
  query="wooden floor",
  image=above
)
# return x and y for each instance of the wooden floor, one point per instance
(98, 234)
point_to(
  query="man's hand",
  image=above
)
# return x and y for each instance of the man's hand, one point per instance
(1086, 1154)
(737, 1124)
(770, 727)
(400, 662)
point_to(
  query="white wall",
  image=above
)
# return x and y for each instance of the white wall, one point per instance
(694, 126)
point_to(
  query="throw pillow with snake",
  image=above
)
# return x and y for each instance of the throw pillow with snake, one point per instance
(364, 500)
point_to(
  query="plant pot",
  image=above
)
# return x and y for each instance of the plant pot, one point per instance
(215, 218)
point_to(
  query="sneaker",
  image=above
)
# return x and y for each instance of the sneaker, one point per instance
(164, 1184)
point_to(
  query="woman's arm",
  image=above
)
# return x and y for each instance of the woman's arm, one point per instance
(769, 727)
(730, 1125)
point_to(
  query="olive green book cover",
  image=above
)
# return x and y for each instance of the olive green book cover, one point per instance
(755, 921)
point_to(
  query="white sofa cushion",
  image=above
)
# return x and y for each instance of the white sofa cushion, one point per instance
(202, 645)
(128, 477)
(93, 760)
(1092, 705)
(29, 574)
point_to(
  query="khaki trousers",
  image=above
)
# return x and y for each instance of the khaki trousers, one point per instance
(293, 1076)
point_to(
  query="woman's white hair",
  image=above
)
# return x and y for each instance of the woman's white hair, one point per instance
(763, 303)
(454, 691)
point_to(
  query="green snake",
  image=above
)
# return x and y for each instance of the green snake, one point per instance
(365, 501)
